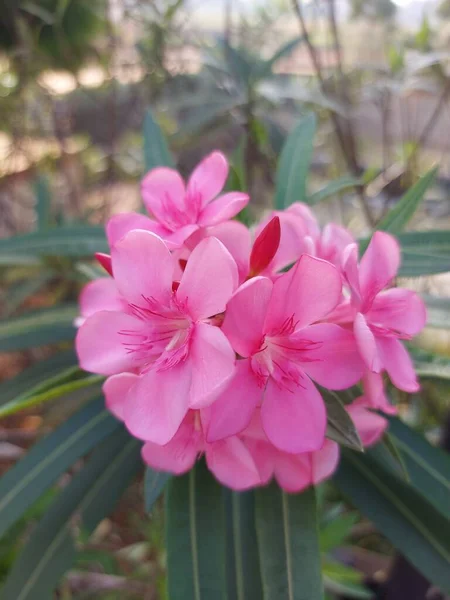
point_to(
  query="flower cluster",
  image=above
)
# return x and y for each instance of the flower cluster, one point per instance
(215, 345)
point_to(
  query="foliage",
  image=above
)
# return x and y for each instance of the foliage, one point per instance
(383, 10)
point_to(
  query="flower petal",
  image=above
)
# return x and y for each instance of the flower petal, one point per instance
(294, 421)
(232, 464)
(351, 272)
(306, 293)
(374, 394)
(367, 344)
(370, 426)
(397, 362)
(208, 178)
(119, 225)
(236, 238)
(103, 343)
(292, 240)
(209, 279)
(143, 268)
(222, 209)
(179, 455)
(116, 390)
(378, 266)
(212, 362)
(400, 310)
(246, 314)
(333, 361)
(325, 461)
(162, 188)
(293, 471)
(157, 404)
(333, 241)
(231, 413)
(100, 294)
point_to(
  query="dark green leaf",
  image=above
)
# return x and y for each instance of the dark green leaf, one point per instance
(333, 188)
(438, 311)
(294, 163)
(43, 202)
(336, 532)
(39, 328)
(265, 68)
(424, 252)
(89, 498)
(397, 218)
(154, 483)
(156, 150)
(195, 536)
(400, 512)
(288, 541)
(340, 426)
(430, 365)
(18, 294)
(244, 576)
(428, 466)
(24, 483)
(347, 589)
(74, 241)
(238, 66)
(395, 461)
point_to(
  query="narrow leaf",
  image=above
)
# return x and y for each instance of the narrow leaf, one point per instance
(265, 68)
(333, 188)
(340, 426)
(424, 252)
(24, 483)
(288, 543)
(405, 517)
(156, 151)
(43, 202)
(438, 311)
(154, 484)
(397, 218)
(195, 536)
(89, 498)
(430, 365)
(294, 163)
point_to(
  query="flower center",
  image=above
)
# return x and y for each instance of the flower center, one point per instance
(174, 217)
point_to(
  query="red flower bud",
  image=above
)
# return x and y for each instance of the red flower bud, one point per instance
(105, 261)
(265, 247)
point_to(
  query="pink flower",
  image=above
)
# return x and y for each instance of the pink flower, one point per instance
(168, 338)
(271, 326)
(380, 317)
(179, 210)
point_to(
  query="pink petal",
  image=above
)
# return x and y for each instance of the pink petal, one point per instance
(294, 421)
(244, 332)
(209, 279)
(161, 189)
(265, 247)
(236, 238)
(158, 403)
(324, 462)
(306, 293)
(333, 241)
(178, 237)
(351, 272)
(293, 471)
(232, 464)
(222, 209)
(208, 178)
(119, 225)
(299, 209)
(143, 268)
(370, 426)
(292, 240)
(104, 261)
(213, 363)
(397, 362)
(374, 394)
(116, 389)
(400, 310)
(102, 346)
(100, 294)
(333, 360)
(366, 343)
(231, 413)
(378, 266)
(264, 456)
(179, 455)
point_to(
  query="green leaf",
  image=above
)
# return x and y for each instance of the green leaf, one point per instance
(36, 376)
(430, 365)
(340, 426)
(39, 328)
(397, 218)
(238, 65)
(195, 536)
(294, 163)
(288, 541)
(389, 447)
(154, 484)
(340, 572)
(336, 532)
(43, 202)
(438, 311)
(18, 294)
(24, 483)
(424, 252)
(265, 68)
(400, 512)
(244, 575)
(68, 241)
(59, 391)
(333, 188)
(347, 589)
(428, 466)
(156, 150)
(90, 497)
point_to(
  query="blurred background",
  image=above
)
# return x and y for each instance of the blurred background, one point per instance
(76, 80)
